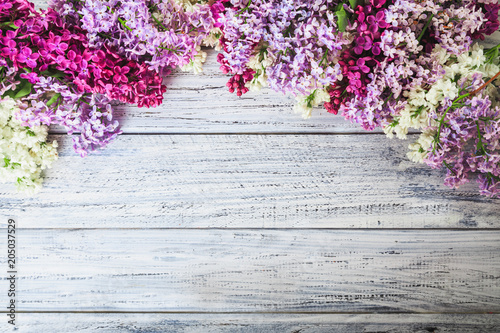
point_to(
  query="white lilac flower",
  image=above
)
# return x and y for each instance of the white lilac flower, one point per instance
(196, 63)
(259, 62)
(24, 152)
(421, 103)
(304, 104)
(213, 39)
(419, 149)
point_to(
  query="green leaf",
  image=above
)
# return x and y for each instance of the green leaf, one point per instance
(342, 19)
(353, 3)
(494, 55)
(9, 93)
(53, 99)
(9, 24)
(25, 90)
(6, 161)
(57, 75)
(29, 132)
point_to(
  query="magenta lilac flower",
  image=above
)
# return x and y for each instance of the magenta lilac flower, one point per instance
(50, 70)
(160, 34)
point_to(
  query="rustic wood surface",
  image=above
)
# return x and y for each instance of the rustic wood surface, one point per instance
(259, 323)
(305, 270)
(252, 181)
(214, 213)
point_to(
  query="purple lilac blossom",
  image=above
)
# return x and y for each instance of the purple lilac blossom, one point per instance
(55, 78)
(89, 115)
(159, 33)
(301, 38)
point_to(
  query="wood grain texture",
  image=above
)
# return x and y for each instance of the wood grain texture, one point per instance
(258, 270)
(254, 323)
(248, 181)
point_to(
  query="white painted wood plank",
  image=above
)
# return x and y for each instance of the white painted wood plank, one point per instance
(253, 323)
(268, 181)
(257, 270)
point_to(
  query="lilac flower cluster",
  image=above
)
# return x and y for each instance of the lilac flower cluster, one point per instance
(160, 34)
(411, 46)
(52, 76)
(490, 9)
(90, 115)
(292, 44)
(468, 141)
(404, 35)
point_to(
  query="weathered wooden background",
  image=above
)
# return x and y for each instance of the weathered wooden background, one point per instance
(217, 213)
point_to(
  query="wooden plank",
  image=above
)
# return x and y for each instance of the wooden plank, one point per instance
(425, 271)
(248, 181)
(254, 323)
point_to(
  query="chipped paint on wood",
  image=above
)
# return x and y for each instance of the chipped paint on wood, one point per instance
(257, 323)
(248, 181)
(259, 270)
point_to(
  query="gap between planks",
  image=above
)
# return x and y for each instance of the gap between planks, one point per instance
(250, 313)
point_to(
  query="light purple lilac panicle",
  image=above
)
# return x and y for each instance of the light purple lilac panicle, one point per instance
(469, 143)
(90, 115)
(300, 39)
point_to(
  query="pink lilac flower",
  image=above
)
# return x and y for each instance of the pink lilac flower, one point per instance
(57, 78)
(27, 57)
(398, 53)
(31, 77)
(160, 34)
(300, 38)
